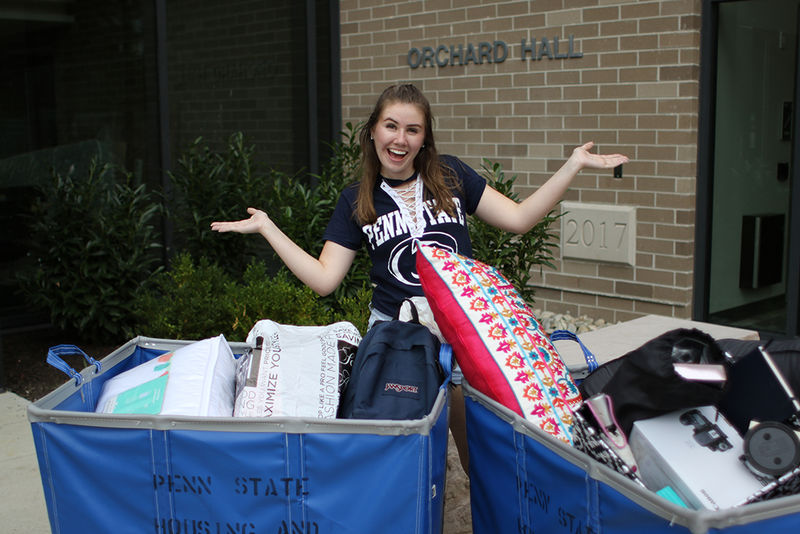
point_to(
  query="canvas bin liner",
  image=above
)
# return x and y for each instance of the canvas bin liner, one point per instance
(523, 481)
(181, 474)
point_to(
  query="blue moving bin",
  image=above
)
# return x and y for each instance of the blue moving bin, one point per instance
(190, 475)
(524, 481)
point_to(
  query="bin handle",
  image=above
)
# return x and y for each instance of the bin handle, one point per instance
(559, 335)
(54, 359)
(446, 360)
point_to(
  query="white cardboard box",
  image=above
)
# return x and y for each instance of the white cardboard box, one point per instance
(696, 453)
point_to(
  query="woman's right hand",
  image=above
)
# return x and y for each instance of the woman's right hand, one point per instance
(257, 221)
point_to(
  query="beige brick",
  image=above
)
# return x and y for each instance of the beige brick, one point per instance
(618, 91)
(678, 105)
(690, 22)
(677, 169)
(618, 59)
(601, 197)
(675, 232)
(655, 215)
(475, 12)
(581, 122)
(657, 122)
(582, 300)
(525, 21)
(530, 137)
(673, 263)
(671, 294)
(666, 200)
(563, 108)
(563, 77)
(621, 27)
(685, 72)
(645, 230)
(657, 153)
(679, 40)
(638, 136)
(600, 76)
(639, 106)
(633, 289)
(599, 45)
(684, 248)
(644, 260)
(654, 277)
(636, 198)
(638, 74)
(617, 122)
(657, 90)
(639, 42)
(578, 92)
(680, 7)
(684, 217)
(654, 246)
(677, 138)
(547, 122)
(684, 280)
(600, 14)
(661, 24)
(640, 9)
(690, 56)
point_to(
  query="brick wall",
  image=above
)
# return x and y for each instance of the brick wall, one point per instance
(634, 90)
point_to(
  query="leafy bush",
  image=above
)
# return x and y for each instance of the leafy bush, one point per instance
(513, 255)
(196, 301)
(212, 186)
(94, 243)
(302, 205)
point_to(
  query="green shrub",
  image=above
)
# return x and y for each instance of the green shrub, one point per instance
(279, 298)
(197, 301)
(302, 205)
(513, 255)
(186, 302)
(218, 186)
(94, 243)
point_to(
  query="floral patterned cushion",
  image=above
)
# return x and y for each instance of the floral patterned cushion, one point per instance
(499, 344)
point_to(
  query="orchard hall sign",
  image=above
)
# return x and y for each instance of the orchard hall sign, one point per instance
(496, 52)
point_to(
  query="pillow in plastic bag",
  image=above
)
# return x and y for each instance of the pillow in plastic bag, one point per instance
(195, 380)
(296, 371)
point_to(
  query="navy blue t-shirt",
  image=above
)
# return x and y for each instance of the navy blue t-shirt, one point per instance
(389, 241)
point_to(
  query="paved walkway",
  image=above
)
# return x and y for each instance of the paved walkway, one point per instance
(22, 507)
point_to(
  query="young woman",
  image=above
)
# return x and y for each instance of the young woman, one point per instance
(408, 191)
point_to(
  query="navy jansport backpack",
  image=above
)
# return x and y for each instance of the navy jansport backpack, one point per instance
(396, 373)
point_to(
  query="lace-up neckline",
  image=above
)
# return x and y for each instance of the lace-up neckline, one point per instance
(407, 194)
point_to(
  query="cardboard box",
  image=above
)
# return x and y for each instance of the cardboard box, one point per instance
(696, 453)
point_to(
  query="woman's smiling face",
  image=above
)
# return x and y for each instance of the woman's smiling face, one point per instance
(398, 136)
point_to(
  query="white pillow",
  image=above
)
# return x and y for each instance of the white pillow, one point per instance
(195, 380)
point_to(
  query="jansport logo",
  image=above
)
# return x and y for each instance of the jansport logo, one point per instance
(401, 388)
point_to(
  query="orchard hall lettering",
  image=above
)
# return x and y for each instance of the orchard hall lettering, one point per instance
(495, 52)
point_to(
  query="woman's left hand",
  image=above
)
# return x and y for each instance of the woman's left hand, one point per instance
(586, 160)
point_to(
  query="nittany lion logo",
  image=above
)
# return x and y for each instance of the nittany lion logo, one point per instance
(402, 263)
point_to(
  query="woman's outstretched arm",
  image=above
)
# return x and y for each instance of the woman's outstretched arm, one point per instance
(323, 274)
(502, 212)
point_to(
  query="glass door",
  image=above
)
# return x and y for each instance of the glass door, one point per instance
(749, 280)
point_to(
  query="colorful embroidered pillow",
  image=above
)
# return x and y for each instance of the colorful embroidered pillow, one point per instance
(499, 344)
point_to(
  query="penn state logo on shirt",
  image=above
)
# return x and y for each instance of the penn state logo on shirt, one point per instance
(402, 261)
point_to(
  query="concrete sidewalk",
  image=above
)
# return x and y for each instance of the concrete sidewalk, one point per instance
(22, 507)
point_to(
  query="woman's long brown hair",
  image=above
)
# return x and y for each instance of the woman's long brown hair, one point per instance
(439, 180)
